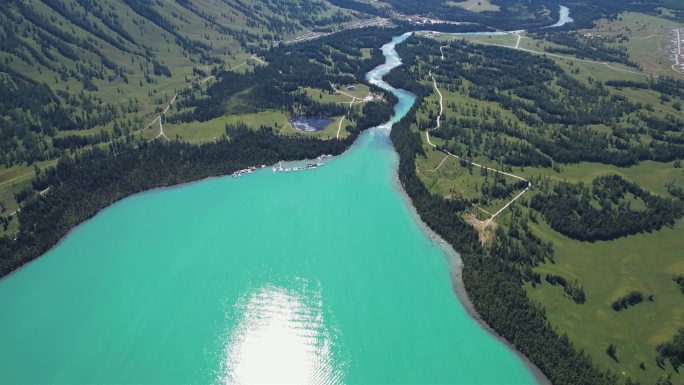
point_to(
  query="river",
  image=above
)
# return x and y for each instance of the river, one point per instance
(321, 276)
(563, 19)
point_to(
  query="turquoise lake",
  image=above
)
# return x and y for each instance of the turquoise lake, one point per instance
(321, 276)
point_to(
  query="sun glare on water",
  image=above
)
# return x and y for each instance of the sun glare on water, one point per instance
(281, 337)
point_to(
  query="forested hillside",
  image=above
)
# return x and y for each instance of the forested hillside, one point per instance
(318, 65)
(590, 249)
(87, 71)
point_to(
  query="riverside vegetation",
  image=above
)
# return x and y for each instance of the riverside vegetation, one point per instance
(555, 124)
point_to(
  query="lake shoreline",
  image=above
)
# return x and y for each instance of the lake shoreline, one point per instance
(169, 187)
(455, 264)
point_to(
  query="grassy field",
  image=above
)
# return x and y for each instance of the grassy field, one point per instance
(359, 91)
(446, 175)
(594, 69)
(646, 38)
(453, 180)
(475, 5)
(203, 132)
(13, 180)
(649, 40)
(648, 174)
(608, 270)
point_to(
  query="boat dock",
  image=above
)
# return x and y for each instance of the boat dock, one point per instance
(308, 166)
(244, 171)
(279, 167)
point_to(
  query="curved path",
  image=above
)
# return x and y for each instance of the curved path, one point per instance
(427, 136)
(351, 104)
(339, 127)
(168, 106)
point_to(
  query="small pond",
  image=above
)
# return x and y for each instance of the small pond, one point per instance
(307, 124)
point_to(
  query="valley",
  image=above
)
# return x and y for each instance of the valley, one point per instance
(505, 174)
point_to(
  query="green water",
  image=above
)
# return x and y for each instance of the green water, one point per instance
(320, 276)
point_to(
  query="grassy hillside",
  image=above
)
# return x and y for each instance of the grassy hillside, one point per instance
(83, 73)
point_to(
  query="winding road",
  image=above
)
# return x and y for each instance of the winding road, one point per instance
(159, 118)
(351, 104)
(438, 125)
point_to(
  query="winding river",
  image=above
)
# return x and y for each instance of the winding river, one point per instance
(320, 277)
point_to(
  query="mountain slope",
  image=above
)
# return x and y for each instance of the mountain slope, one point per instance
(96, 68)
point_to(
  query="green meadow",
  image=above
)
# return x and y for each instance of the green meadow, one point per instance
(649, 40)
(608, 270)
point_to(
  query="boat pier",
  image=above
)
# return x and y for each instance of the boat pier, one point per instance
(308, 166)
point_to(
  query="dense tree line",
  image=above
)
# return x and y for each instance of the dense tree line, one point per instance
(361, 6)
(632, 298)
(493, 277)
(79, 141)
(571, 209)
(573, 289)
(664, 85)
(372, 114)
(679, 280)
(672, 351)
